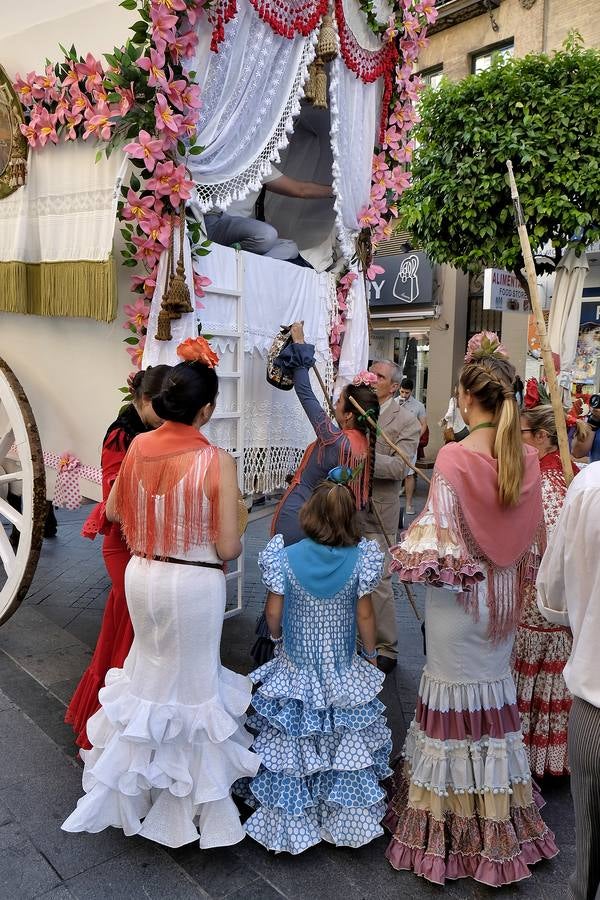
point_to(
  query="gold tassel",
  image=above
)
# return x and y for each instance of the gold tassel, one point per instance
(320, 101)
(327, 43)
(163, 331)
(179, 300)
(309, 87)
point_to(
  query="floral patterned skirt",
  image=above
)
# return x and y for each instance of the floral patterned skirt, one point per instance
(540, 654)
(461, 797)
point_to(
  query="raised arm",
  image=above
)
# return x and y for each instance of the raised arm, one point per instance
(299, 357)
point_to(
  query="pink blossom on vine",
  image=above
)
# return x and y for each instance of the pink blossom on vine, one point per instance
(153, 65)
(374, 270)
(71, 121)
(79, 101)
(392, 29)
(200, 282)
(62, 107)
(44, 86)
(29, 132)
(137, 314)
(160, 181)
(180, 187)
(147, 148)
(189, 125)
(169, 5)
(348, 278)
(146, 282)
(175, 91)
(184, 45)
(163, 26)
(411, 89)
(71, 77)
(403, 154)
(137, 208)
(45, 125)
(148, 251)
(127, 99)
(391, 137)
(191, 96)
(427, 9)
(399, 180)
(157, 229)
(380, 164)
(367, 217)
(166, 119)
(92, 71)
(24, 88)
(411, 25)
(98, 121)
(136, 352)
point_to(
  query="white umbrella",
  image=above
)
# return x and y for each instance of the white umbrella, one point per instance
(565, 312)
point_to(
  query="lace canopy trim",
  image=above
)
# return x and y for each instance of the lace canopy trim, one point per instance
(291, 17)
(237, 188)
(368, 65)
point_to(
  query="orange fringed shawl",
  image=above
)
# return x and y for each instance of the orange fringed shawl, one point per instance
(167, 492)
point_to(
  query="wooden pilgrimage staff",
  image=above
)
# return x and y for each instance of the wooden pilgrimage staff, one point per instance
(373, 424)
(555, 394)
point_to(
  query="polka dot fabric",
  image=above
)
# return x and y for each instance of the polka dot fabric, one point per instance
(319, 726)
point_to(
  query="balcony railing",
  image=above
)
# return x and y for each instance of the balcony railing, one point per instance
(453, 12)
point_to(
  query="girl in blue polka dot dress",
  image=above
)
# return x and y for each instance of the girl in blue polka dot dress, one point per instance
(320, 728)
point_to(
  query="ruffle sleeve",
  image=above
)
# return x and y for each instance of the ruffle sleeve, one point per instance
(433, 550)
(371, 560)
(271, 565)
(96, 522)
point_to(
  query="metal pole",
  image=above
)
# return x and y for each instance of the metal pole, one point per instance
(553, 387)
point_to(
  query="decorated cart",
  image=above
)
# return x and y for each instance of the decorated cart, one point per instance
(188, 113)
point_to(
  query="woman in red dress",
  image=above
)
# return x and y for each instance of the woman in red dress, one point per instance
(116, 632)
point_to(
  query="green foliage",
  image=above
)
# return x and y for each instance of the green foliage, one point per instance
(542, 113)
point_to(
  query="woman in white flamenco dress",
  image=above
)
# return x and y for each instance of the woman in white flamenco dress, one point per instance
(169, 739)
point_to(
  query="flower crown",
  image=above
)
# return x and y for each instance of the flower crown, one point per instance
(485, 345)
(198, 350)
(364, 377)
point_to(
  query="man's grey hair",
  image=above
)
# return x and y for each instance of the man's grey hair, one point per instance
(396, 373)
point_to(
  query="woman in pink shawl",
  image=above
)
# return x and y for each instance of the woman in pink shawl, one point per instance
(462, 803)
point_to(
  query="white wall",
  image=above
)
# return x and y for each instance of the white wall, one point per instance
(69, 368)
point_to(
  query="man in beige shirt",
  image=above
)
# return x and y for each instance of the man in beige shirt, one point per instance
(404, 429)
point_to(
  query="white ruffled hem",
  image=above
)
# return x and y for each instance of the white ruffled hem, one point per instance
(164, 771)
(488, 765)
(435, 693)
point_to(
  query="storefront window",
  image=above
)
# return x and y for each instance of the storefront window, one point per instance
(410, 350)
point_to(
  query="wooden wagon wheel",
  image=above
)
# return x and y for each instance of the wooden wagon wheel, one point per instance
(21, 473)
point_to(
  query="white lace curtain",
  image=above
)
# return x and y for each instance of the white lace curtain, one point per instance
(251, 93)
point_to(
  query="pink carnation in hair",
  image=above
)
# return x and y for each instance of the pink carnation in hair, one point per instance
(483, 345)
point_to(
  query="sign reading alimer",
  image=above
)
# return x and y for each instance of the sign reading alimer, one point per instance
(407, 281)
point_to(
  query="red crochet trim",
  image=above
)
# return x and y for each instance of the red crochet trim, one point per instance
(221, 14)
(368, 65)
(290, 17)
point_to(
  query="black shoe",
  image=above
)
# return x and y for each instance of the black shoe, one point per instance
(386, 664)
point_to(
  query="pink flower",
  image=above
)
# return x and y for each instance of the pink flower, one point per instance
(191, 96)
(127, 99)
(153, 64)
(200, 282)
(348, 278)
(136, 353)
(163, 26)
(373, 271)
(157, 229)
(24, 88)
(411, 25)
(92, 71)
(483, 345)
(79, 102)
(364, 377)
(148, 251)
(62, 107)
(169, 5)
(403, 154)
(71, 77)
(147, 148)
(137, 208)
(46, 128)
(44, 86)
(29, 132)
(400, 180)
(391, 31)
(147, 283)
(367, 217)
(427, 9)
(71, 120)
(391, 137)
(180, 187)
(380, 164)
(137, 314)
(98, 122)
(189, 125)
(175, 91)
(184, 45)
(160, 182)
(165, 118)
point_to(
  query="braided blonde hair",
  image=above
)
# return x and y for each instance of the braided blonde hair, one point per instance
(490, 381)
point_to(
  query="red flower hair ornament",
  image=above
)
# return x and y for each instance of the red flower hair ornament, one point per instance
(198, 350)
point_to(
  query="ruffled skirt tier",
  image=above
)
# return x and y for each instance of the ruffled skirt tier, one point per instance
(461, 798)
(325, 747)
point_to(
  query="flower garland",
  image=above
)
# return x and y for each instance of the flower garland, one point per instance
(145, 100)
(406, 29)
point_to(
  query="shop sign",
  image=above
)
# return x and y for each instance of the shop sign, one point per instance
(406, 282)
(502, 291)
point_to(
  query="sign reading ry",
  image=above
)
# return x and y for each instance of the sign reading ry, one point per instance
(407, 281)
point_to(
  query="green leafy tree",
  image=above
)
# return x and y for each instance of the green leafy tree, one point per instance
(542, 112)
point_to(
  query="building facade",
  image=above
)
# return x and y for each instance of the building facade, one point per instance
(429, 339)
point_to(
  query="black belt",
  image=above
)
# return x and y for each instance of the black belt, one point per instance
(183, 562)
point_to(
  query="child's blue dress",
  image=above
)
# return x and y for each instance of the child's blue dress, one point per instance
(321, 734)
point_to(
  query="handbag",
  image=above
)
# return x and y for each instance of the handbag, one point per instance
(448, 434)
(278, 375)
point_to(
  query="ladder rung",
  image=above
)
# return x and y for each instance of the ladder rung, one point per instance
(225, 333)
(224, 292)
(230, 374)
(225, 415)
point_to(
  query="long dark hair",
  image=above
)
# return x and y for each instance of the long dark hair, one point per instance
(145, 383)
(366, 397)
(189, 386)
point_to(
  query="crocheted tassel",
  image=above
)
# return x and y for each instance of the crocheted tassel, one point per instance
(320, 101)
(327, 44)
(163, 331)
(310, 86)
(179, 299)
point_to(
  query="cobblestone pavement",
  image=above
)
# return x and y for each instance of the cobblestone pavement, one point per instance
(43, 650)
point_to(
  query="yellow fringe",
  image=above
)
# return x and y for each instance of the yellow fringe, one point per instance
(81, 289)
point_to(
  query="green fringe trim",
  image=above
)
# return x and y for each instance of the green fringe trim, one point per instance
(81, 289)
